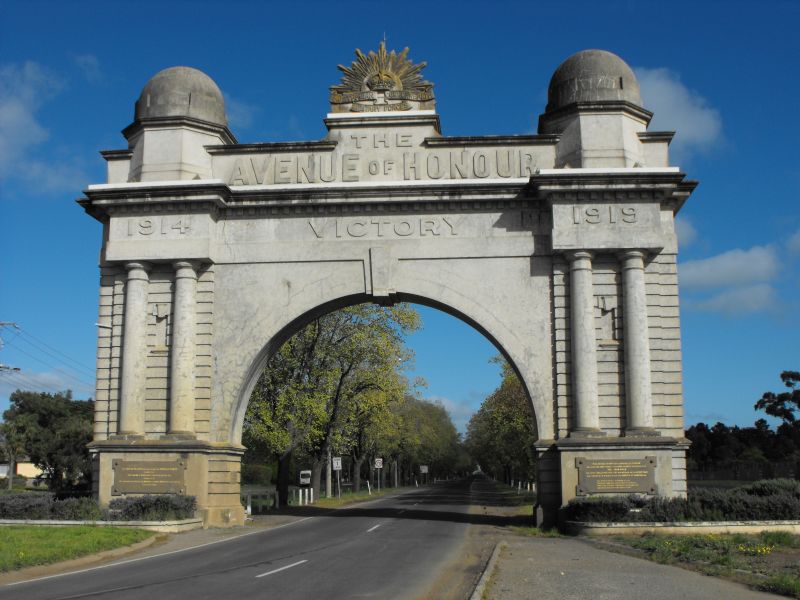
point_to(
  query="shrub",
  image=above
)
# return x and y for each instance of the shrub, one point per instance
(76, 509)
(152, 508)
(26, 505)
(768, 500)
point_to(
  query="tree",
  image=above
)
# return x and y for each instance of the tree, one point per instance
(308, 389)
(12, 443)
(785, 404)
(53, 430)
(502, 433)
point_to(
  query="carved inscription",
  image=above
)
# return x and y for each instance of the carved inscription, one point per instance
(269, 169)
(595, 215)
(148, 477)
(158, 226)
(383, 227)
(618, 476)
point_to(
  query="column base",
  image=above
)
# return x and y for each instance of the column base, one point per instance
(179, 435)
(642, 432)
(587, 433)
(126, 436)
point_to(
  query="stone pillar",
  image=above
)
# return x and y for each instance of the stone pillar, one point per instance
(134, 352)
(181, 408)
(584, 346)
(637, 345)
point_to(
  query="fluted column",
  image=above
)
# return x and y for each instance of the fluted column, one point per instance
(134, 351)
(181, 409)
(637, 344)
(584, 345)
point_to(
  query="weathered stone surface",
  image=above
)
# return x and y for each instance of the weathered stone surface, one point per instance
(215, 253)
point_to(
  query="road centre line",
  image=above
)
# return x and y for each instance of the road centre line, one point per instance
(141, 558)
(371, 529)
(299, 562)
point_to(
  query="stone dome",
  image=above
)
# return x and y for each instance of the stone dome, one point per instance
(592, 76)
(182, 92)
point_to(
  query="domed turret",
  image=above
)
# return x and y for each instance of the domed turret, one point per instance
(592, 76)
(182, 92)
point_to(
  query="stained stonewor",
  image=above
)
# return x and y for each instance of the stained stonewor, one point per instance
(559, 247)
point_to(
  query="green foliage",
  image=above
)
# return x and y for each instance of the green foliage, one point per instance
(330, 386)
(53, 430)
(501, 435)
(152, 508)
(785, 404)
(256, 474)
(27, 546)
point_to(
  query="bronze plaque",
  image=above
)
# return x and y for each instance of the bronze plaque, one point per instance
(148, 477)
(617, 476)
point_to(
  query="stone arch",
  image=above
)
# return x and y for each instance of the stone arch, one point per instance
(295, 323)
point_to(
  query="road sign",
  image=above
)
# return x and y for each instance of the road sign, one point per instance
(423, 468)
(337, 463)
(378, 463)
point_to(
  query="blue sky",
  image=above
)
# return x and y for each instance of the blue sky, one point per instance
(720, 73)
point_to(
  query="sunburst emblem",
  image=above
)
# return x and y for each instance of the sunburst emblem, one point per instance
(382, 81)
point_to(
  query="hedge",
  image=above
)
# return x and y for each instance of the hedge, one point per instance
(46, 506)
(766, 500)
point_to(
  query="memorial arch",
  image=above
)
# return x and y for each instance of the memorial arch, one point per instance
(560, 247)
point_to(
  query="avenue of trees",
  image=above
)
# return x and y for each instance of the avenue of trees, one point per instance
(337, 387)
(501, 434)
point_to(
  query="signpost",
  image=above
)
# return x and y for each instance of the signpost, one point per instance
(379, 466)
(337, 466)
(423, 470)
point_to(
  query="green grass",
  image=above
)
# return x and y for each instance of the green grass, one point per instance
(22, 546)
(769, 561)
(352, 497)
(533, 531)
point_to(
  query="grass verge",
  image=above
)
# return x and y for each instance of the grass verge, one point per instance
(22, 546)
(533, 531)
(353, 497)
(769, 562)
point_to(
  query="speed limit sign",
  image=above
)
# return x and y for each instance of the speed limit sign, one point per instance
(378, 463)
(337, 463)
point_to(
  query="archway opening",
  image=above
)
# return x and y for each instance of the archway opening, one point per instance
(338, 397)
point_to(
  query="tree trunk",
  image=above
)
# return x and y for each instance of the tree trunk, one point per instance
(357, 462)
(394, 473)
(12, 470)
(316, 475)
(284, 476)
(329, 475)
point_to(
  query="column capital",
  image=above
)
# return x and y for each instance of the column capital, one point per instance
(575, 255)
(186, 269)
(636, 256)
(138, 266)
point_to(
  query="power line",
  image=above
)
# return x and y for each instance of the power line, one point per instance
(53, 351)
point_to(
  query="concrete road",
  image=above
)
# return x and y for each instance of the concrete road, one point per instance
(391, 548)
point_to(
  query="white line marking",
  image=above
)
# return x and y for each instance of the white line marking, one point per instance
(373, 528)
(133, 560)
(299, 562)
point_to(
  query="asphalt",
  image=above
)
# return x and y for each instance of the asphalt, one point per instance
(431, 544)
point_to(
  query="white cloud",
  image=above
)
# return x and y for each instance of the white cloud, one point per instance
(460, 411)
(240, 114)
(89, 66)
(42, 382)
(732, 268)
(760, 297)
(24, 89)
(698, 126)
(793, 244)
(686, 232)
